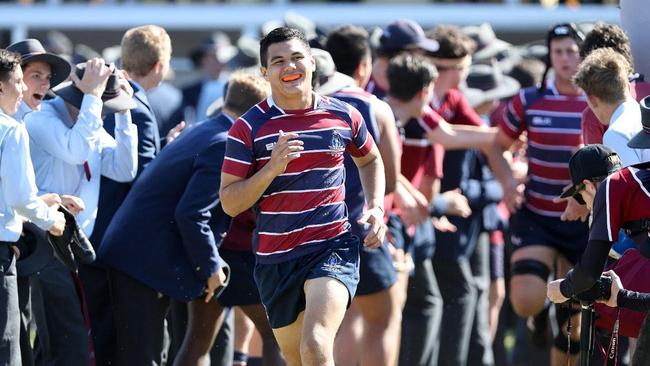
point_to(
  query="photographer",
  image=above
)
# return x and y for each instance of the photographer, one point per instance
(620, 202)
(620, 297)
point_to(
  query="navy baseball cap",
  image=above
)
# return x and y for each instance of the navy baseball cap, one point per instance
(405, 33)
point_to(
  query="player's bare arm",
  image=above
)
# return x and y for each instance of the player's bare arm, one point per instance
(239, 194)
(371, 172)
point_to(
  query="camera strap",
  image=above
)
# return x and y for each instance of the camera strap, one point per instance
(611, 355)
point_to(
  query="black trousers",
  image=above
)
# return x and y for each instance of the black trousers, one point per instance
(94, 280)
(420, 341)
(9, 313)
(139, 321)
(140, 312)
(62, 334)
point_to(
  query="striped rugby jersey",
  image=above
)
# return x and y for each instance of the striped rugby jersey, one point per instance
(354, 197)
(623, 197)
(554, 134)
(304, 207)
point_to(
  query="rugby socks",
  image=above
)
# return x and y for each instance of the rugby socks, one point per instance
(240, 359)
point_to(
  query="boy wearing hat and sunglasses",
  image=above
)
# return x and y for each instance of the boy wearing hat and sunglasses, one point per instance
(620, 201)
(71, 151)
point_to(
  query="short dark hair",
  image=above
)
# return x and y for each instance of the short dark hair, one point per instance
(610, 36)
(348, 46)
(9, 61)
(408, 74)
(281, 34)
(453, 42)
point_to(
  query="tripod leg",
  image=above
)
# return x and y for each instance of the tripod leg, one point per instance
(587, 334)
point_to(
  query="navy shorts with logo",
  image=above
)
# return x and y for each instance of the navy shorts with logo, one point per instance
(567, 237)
(242, 289)
(376, 270)
(281, 285)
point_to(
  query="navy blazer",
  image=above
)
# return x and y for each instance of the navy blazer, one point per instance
(112, 193)
(165, 234)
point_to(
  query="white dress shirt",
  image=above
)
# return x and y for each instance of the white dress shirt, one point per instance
(60, 148)
(18, 196)
(623, 126)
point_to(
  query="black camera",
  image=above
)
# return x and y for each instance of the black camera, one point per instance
(601, 290)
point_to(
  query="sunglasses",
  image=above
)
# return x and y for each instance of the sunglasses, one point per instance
(578, 196)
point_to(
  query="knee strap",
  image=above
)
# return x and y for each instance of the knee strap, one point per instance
(531, 267)
(562, 315)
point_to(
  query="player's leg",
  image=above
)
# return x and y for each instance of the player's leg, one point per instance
(561, 348)
(270, 350)
(203, 324)
(531, 266)
(288, 338)
(348, 348)
(325, 305)
(382, 316)
(244, 330)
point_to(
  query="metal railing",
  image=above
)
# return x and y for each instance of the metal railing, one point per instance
(509, 17)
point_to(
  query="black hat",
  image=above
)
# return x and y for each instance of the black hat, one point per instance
(73, 245)
(32, 50)
(592, 162)
(115, 99)
(405, 33)
(642, 139)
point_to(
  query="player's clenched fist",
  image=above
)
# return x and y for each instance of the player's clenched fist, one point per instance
(285, 150)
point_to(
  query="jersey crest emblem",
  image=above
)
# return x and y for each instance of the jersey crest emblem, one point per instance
(337, 147)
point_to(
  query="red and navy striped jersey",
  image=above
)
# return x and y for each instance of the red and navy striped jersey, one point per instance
(419, 155)
(354, 197)
(622, 198)
(554, 134)
(304, 207)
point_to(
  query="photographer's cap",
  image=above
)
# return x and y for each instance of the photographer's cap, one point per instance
(592, 162)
